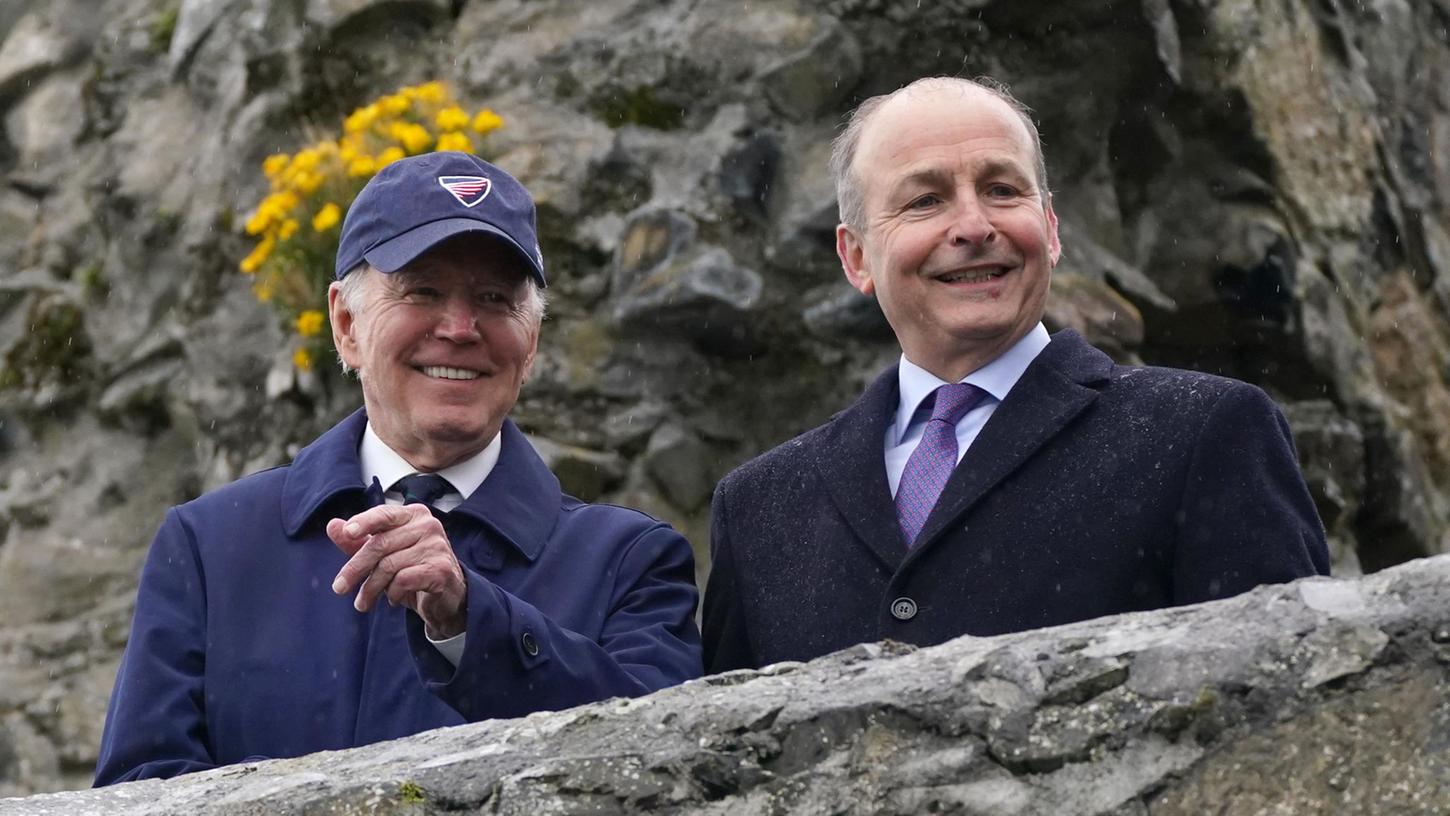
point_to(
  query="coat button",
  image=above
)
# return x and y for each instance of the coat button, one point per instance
(903, 609)
(530, 645)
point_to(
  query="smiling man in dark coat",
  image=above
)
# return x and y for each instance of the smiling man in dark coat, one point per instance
(416, 566)
(996, 479)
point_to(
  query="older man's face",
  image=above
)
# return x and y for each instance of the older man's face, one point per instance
(958, 243)
(442, 348)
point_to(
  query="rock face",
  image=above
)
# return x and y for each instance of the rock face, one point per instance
(1254, 189)
(1321, 697)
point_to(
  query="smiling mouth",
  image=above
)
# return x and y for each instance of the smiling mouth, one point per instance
(449, 373)
(977, 275)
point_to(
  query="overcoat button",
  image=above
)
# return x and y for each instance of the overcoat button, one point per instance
(531, 646)
(903, 609)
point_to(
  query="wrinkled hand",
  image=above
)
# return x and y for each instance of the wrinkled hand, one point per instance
(402, 551)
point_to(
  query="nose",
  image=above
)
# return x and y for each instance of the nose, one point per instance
(457, 321)
(972, 226)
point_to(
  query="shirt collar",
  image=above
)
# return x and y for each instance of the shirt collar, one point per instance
(996, 378)
(383, 463)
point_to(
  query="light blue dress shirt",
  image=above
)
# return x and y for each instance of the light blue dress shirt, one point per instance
(916, 384)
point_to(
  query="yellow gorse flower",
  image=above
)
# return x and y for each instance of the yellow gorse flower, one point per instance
(455, 141)
(487, 122)
(452, 118)
(275, 164)
(291, 267)
(327, 217)
(433, 92)
(362, 167)
(309, 323)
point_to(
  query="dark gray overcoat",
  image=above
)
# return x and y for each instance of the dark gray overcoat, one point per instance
(1094, 489)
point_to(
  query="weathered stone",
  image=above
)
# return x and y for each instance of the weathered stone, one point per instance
(748, 173)
(1084, 256)
(806, 84)
(1402, 514)
(681, 465)
(839, 311)
(651, 239)
(336, 14)
(583, 473)
(1320, 697)
(48, 121)
(808, 214)
(664, 280)
(1411, 357)
(1097, 312)
(195, 21)
(32, 47)
(1332, 456)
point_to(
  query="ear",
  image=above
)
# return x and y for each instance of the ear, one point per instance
(533, 354)
(852, 252)
(1054, 246)
(344, 325)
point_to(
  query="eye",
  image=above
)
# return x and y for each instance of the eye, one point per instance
(999, 190)
(494, 298)
(924, 201)
(421, 294)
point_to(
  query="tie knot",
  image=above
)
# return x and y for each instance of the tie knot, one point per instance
(952, 401)
(422, 488)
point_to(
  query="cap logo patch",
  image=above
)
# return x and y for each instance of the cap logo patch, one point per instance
(469, 190)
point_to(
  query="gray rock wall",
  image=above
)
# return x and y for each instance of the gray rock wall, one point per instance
(1252, 188)
(1322, 697)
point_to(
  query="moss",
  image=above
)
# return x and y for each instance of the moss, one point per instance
(411, 793)
(639, 106)
(54, 350)
(163, 26)
(90, 278)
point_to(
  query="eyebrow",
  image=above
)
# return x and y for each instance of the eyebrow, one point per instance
(937, 177)
(931, 177)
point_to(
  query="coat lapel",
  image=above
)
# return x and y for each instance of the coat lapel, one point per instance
(851, 463)
(1052, 392)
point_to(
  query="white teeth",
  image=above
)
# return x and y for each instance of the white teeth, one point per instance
(444, 372)
(974, 277)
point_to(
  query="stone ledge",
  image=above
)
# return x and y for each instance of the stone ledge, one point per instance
(1323, 696)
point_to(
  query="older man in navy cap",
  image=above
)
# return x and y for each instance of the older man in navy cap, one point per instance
(260, 629)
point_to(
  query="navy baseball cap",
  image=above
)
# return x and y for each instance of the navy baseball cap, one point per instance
(413, 204)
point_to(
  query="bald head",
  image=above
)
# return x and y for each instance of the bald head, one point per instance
(849, 192)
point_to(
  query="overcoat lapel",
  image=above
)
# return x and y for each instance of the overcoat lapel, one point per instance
(1051, 393)
(852, 466)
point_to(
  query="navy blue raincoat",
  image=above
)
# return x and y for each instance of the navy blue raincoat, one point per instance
(240, 651)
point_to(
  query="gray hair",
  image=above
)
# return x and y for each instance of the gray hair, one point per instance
(353, 284)
(849, 196)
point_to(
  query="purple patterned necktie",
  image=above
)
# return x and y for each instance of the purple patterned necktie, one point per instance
(934, 459)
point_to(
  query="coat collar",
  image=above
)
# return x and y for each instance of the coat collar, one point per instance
(1053, 390)
(519, 500)
(851, 465)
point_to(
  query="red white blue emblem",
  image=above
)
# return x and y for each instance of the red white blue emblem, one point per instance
(469, 190)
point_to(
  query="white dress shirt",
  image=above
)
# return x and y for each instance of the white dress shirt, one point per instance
(384, 464)
(916, 384)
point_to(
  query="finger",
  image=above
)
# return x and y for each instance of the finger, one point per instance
(432, 576)
(353, 533)
(344, 542)
(378, 547)
(383, 575)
